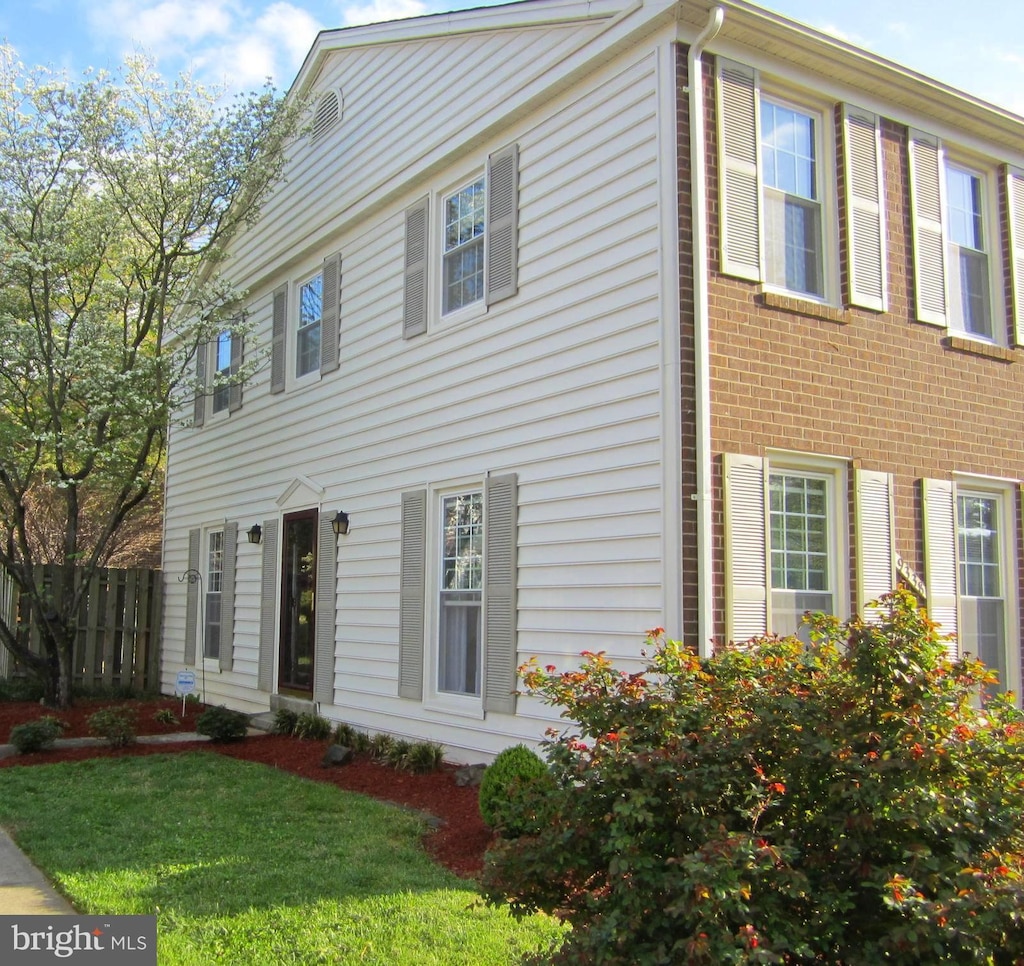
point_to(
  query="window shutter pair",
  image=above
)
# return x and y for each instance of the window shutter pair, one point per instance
(742, 237)
(501, 243)
(330, 326)
(202, 365)
(747, 543)
(227, 596)
(941, 556)
(499, 600)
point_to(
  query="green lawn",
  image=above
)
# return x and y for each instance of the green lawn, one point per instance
(244, 864)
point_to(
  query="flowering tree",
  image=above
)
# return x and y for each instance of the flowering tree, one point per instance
(118, 195)
(846, 803)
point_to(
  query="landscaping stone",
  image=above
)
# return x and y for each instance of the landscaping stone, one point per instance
(337, 755)
(470, 775)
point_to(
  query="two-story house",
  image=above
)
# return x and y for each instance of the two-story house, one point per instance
(585, 318)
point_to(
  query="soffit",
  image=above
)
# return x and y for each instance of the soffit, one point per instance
(890, 89)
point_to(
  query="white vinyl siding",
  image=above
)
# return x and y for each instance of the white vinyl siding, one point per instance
(562, 382)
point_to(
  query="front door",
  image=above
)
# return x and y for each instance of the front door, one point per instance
(298, 586)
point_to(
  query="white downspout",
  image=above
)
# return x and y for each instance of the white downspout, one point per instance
(701, 334)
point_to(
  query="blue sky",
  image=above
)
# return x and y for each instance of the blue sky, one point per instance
(977, 46)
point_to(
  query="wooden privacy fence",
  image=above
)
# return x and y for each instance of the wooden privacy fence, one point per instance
(118, 639)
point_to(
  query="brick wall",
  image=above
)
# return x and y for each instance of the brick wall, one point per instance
(881, 390)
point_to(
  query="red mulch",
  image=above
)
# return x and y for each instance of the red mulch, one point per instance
(459, 844)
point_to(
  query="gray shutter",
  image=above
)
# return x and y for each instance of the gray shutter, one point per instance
(865, 208)
(500, 543)
(926, 216)
(235, 389)
(414, 304)
(330, 316)
(746, 547)
(279, 340)
(192, 598)
(739, 174)
(325, 612)
(268, 607)
(199, 403)
(938, 504)
(876, 551)
(412, 594)
(227, 597)
(501, 270)
(1015, 200)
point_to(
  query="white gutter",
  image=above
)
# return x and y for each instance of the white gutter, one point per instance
(701, 335)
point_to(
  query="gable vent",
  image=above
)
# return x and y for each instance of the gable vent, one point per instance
(328, 112)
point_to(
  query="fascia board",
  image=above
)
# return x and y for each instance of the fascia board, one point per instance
(765, 40)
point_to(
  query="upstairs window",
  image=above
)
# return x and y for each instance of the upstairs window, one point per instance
(792, 199)
(222, 370)
(464, 219)
(967, 256)
(307, 336)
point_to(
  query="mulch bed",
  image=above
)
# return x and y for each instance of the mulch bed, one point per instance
(459, 843)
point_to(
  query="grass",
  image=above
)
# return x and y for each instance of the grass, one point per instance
(246, 865)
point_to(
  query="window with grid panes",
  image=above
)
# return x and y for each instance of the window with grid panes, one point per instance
(214, 584)
(461, 591)
(464, 221)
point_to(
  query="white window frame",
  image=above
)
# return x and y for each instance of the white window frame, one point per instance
(1004, 492)
(210, 534)
(438, 256)
(220, 396)
(992, 251)
(449, 702)
(833, 472)
(296, 329)
(825, 186)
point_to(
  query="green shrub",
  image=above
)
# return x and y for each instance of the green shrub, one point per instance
(507, 784)
(36, 735)
(312, 727)
(20, 689)
(116, 726)
(380, 746)
(424, 757)
(845, 802)
(344, 734)
(222, 724)
(165, 716)
(359, 742)
(398, 754)
(284, 722)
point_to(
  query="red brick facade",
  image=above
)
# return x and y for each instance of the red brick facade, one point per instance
(879, 390)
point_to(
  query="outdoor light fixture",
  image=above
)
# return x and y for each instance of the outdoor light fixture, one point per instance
(255, 533)
(340, 524)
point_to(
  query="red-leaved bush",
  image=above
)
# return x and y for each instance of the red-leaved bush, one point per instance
(847, 802)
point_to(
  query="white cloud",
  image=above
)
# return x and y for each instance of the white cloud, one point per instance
(379, 10)
(221, 41)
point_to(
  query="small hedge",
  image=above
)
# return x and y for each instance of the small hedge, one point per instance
(116, 726)
(222, 724)
(36, 735)
(506, 783)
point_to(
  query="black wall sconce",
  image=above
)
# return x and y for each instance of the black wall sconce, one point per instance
(340, 524)
(255, 533)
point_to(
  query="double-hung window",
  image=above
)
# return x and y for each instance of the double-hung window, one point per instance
(307, 335)
(802, 546)
(792, 209)
(222, 372)
(980, 545)
(214, 587)
(967, 252)
(463, 272)
(460, 593)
